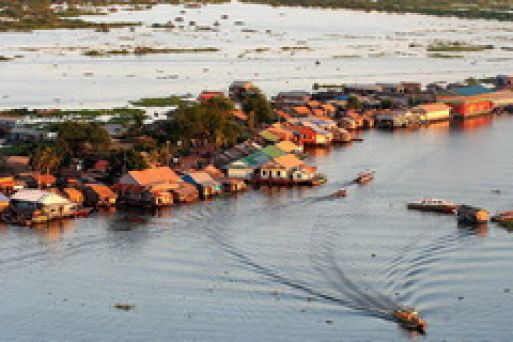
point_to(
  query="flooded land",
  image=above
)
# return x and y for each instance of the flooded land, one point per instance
(191, 49)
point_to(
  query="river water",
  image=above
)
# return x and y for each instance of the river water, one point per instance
(344, 47)
(285, 264)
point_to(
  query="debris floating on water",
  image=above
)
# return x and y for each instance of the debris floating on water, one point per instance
(124, 306)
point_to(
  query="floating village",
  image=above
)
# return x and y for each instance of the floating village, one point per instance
(272, 154)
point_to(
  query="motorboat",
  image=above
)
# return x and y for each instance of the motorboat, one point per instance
(364, 177)
(410, 319)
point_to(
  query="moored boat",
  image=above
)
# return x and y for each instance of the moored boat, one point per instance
(434, 205)
(410, 319)
(503, 217)
(339, 193)
(472, 215)
(364, 177)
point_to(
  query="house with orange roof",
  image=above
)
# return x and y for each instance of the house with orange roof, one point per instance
(281, 132)
(98, 195)
(8, 185)
(287, 170)
(150, 187)
(300, 111)
(36, 180)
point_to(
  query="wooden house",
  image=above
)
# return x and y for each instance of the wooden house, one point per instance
(98, 195)
(230, 185)
(206, 185)
(286, 170)
(36, 180)
(8, 185)
(16, 164)
(36, 206)
(184, 193)
(74, 195)
(150, 187)
(433, 112)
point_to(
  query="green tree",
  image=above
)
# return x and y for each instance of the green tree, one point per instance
(121, 161)
(257, 107)
(353, 103)
(45, 159)
(210, 122)
(386, 104)
(78, 139)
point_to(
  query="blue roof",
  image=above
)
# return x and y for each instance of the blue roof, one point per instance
(472, 90)
(342, 97)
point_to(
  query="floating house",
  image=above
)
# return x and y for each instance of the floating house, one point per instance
(286, 170)
(206, 185)
(74, 195)
(230, 185)
(36, 206)
(185, 193)
(311, 136)
(99, 195)
(149, 188)
(468, 108)
(400, 118)
(433, 112)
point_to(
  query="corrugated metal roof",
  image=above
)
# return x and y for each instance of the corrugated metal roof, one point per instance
(273, 151)
(471, 90)
(287, 146)
(269, 136)
(289, 161)
(256, 159)
(39, 196)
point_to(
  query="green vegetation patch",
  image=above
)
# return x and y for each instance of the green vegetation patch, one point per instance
(443, 55)
(145, 50)
(458, 47)
(158, 101)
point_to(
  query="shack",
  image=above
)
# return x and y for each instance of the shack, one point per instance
(206, 185)
(74, 195)
(98, 195)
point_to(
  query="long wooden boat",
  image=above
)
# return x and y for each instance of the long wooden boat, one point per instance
(434, 205)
